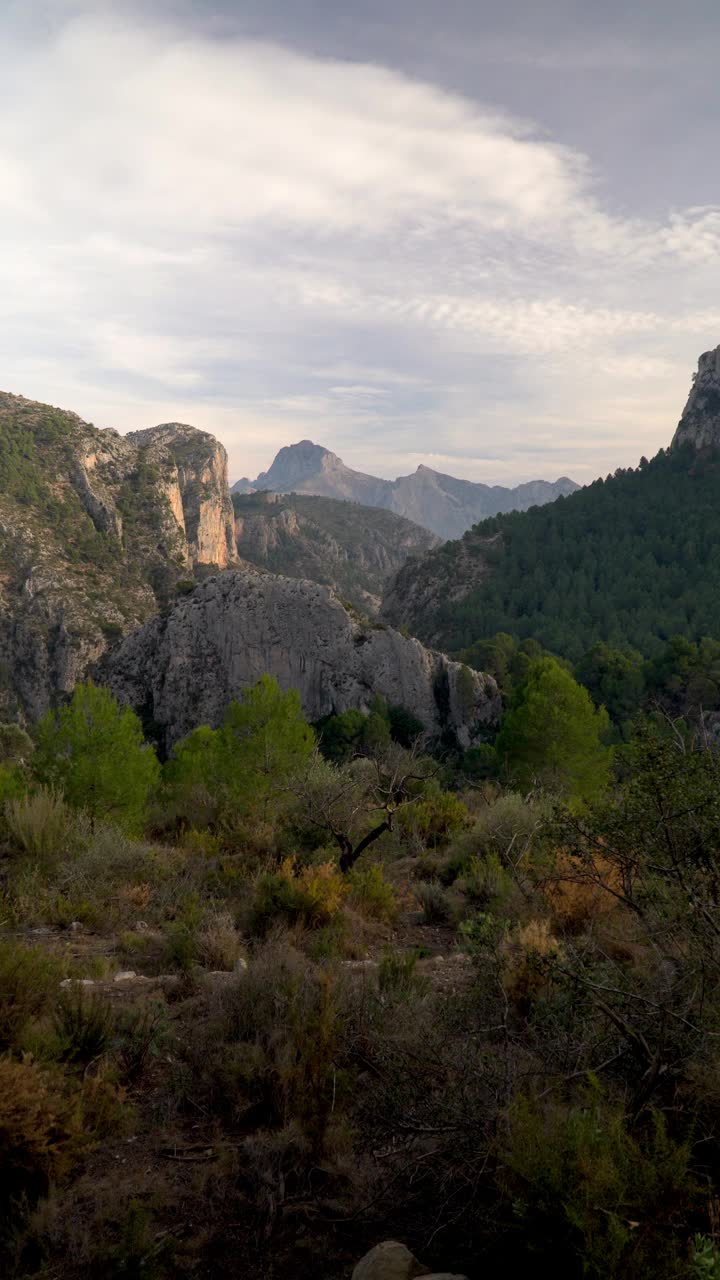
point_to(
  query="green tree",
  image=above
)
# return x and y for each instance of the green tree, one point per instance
(93, 750)
(553, 736)
(263, 740)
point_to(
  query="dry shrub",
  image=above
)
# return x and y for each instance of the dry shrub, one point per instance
(310, 895)
(41, 1132)
(40, 824)
(578, 893)
(136, 896)
(528, 950)
(218, 943)
(271, 1043)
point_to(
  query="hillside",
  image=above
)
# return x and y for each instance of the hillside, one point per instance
(630, 560)
(441, 503)
(95, 531)
(353, 549)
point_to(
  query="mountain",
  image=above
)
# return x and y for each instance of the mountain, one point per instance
(184, 666)
(631, 560)
(95, 531)
(351, 548)
(435, 501)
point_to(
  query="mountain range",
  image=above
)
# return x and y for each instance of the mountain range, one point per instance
(445, 505)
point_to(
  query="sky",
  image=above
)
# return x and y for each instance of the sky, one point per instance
(482, 237)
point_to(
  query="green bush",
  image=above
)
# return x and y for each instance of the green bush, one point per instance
(371, 893)
(590, 1196)
(29, 980)
(434, 903)
(397, 974)
(84, 1025)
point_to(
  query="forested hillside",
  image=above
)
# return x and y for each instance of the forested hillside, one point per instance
(631, 560)
(352, 548)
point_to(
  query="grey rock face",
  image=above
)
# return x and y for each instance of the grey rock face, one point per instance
(438, 502)
(95, 529)
(184, 668)
(700, 421)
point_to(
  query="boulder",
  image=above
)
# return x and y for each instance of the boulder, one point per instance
(390, 1260)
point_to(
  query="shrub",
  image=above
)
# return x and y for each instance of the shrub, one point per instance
(41, 1134)
(486, 883)
(371, 893)
(397, 974)
(434, 903)
(40, 824)
(219, 945)
(141, 1034)
(581, 1183)
(310, 896)
(274, 1040)
(84, 1024)
(29, 981)
(435, 817)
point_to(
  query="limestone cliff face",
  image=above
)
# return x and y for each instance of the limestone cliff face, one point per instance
(183, 668)
(95, 531)
(194, 481)
(700, 421)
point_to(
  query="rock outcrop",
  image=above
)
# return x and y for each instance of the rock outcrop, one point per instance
(392, 1260)
(95, 531)
(194, 481)
(355, 550)
(700, 421)
(438, 502)
(183, 668)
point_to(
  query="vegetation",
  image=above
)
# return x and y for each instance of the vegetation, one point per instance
(335, 998)
(629, 561)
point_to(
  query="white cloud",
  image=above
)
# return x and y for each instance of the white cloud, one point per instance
(275, 245)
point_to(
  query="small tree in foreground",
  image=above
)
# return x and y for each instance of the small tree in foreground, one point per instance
(93, 751)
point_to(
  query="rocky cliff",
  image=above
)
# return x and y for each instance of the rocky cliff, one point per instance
(95, 530)
(700, 421)
(445, 505)
(182, 668)
(193, 480)
(352, 549)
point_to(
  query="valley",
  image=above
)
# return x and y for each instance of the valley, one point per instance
(329, 948)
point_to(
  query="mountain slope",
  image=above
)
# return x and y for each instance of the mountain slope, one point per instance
(351, 548)
(631, 560)
(95, 530)
(184, 667)
(441, 503)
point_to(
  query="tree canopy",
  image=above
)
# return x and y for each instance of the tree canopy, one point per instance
(552, 735)
(93, 750)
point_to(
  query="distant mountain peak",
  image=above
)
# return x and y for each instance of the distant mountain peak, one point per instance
(700, 421)
(443, 504)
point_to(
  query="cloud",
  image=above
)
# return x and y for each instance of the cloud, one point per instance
(271, 243)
